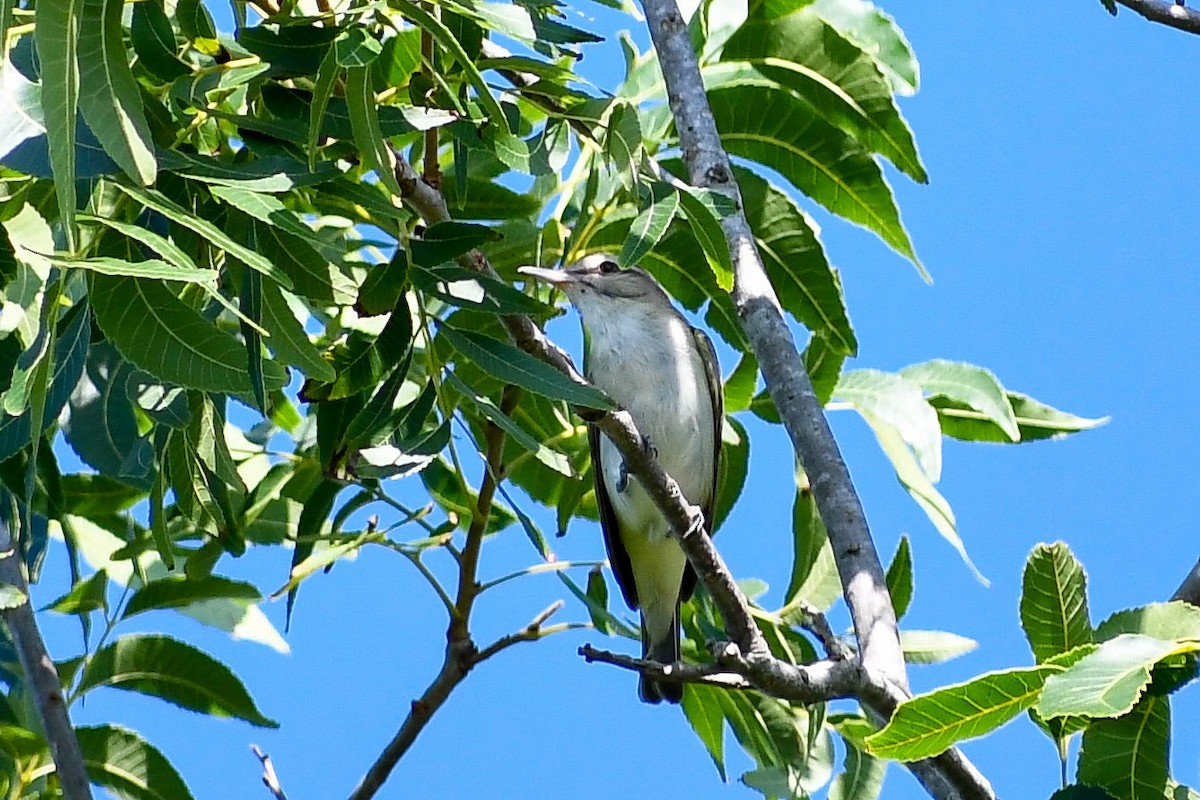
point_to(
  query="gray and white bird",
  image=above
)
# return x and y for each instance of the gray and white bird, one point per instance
(643, 353)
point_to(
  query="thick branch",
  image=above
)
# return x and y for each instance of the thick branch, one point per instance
(1189, 590)
(803, 416)
(42, 676)
(1172, 14)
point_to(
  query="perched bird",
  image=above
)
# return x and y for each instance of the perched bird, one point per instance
(645, 356)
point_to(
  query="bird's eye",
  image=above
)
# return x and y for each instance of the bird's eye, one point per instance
(609, 267)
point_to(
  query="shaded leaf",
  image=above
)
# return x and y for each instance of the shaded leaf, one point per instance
(1128, 756)
(1054, 611)
(128, 766)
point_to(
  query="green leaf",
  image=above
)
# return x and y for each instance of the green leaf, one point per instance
(740, 385)
(11, 596)
(898, 403)
(150, 268)
(154, 199)
(970, 386)
(155, 330)
(466, 288)
(171, 670)
(506, 363)
(861, 777)
(128, 766)
(327, 75)
(930, 723)
(154, 42)
(705, 221)
(1128, 756)
(808, 286)
(650, 225)
(364, 119)
(88, 594)
(1035, 421)
(109, 96)
(836, 76)
(271, 210)
(288, 339)
(1054, 611)
(486, 200)
(1175, 620)
(442, 35)
(289, 49)
(446, 241)
(877, 34)
(179, 591)
(56, 32)
(1109, 681)
(814, 572)
(779, 131)
(703, 708)
(934, 647)
(900, 578)
(734, 467)
(102, 430)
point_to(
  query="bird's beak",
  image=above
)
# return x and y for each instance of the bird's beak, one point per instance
(554, 277)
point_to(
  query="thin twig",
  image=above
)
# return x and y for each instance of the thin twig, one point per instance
(818, 625)
(1173, 14)
(42, 676)
(711, 673)
(269, 778)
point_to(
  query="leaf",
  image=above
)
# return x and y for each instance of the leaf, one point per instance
(88, 594)
(900, 578)
(154, 43)
(861, 777)
(506, 363)
(155, 330)
(1035, 421)
(1128, 756)
(779, 131)
(327, 75)
(154, 199)
(930, 723)
(109, 96)
(179, 591)
(650, 225)
(1054, 611)
(705, 221)
(969, 385)
(364, 119)
(840, 79)
(734, 468)
(288, 339)
(1109, 681)
(241, 619)
(11, 596)
(150, 268)
(56, 32)
(442, 35)
(465, 288)
(171, 670)
(1175, 620)
(128, 766)
(702, 706)
(898, 403)
(291, 50)
(934, 647)
(878, 34)
(448, 240)
(814, 573)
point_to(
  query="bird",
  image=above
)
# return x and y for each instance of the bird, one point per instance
(643, 353)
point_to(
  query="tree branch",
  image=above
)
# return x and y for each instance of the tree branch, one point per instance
(42, 676)
(269, 778)
(1172, 14)
(1189, 590)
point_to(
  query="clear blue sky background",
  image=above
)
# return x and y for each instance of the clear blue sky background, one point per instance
(1060, 229)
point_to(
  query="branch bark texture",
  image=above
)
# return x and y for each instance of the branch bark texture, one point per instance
(1172, 14)
(42, 676)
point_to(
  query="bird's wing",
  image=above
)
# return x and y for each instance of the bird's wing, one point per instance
(618, 556)
(716, 395)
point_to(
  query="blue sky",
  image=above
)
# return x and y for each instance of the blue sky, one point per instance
(1059, 226)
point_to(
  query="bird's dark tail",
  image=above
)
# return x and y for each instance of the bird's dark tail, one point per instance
(652, 690)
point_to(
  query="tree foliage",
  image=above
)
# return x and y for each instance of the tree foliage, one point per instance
(233, 318)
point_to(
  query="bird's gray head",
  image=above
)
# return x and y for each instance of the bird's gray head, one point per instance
(594, 282)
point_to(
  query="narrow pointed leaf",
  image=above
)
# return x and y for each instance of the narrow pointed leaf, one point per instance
(899, 403)
(650, 226)
(934, 647)
(150, 268)
(179, 591)
(56, 31)
(108, 93)
(900, 578)
(930, 723)
(288, 339)
(174, 671)
(705, 222)
(505, 362)
(1054, 611)
(972, 386)
(1035, 420)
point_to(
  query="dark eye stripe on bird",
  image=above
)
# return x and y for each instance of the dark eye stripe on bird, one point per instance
(645, 355)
